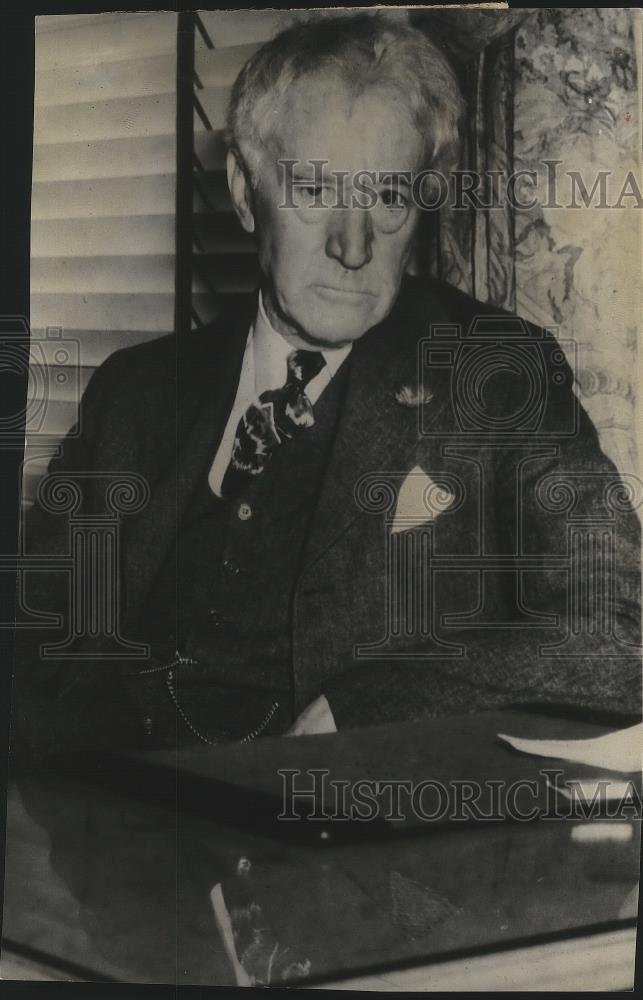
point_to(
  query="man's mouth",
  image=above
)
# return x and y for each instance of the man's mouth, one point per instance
(348, 294)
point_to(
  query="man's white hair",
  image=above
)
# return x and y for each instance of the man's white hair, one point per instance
(363, 50)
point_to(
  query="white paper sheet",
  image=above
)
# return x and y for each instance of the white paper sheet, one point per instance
(618, 751)
(586, 791)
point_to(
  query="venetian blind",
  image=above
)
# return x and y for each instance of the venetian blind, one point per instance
(103, 197)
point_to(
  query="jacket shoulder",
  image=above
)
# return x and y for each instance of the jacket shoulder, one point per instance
(161, 355)
(433, 301)
(151, 364)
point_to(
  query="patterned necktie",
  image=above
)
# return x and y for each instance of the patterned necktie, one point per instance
(281, 414)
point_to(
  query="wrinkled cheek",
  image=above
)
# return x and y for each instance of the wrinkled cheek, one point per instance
(387, 283)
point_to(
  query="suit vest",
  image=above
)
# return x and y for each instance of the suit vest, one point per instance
(224, 596)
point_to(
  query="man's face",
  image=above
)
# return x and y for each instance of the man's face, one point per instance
(334, 272)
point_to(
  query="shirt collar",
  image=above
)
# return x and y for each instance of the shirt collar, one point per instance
(271, 352)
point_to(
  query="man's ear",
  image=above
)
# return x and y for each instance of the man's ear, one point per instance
(240, 191)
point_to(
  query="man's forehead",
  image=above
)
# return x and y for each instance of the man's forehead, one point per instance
(323, 118)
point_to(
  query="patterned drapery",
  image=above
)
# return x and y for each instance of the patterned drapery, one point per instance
(554, 85)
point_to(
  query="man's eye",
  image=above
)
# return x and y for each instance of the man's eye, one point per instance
(393, 199)
(313, 192)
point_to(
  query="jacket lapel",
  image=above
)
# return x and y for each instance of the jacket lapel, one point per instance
(206, 385)
(376, 433)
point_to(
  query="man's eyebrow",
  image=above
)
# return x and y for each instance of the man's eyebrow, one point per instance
(384, 178)
(310, 179)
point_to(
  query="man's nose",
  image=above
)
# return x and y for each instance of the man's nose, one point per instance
(350, 240)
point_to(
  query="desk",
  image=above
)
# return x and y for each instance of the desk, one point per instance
(110, 870)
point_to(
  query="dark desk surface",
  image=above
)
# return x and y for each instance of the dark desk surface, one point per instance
(112, 869)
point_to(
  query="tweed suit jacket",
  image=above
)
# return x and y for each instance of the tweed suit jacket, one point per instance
(481, 598)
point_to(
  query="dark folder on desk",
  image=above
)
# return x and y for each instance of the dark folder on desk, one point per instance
(291, 789)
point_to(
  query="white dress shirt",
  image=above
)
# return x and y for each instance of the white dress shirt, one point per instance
(265, 367)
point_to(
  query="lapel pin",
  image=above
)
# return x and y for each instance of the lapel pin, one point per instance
(408, 396)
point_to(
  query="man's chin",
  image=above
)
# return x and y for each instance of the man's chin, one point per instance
(338, 326)
(336, 336)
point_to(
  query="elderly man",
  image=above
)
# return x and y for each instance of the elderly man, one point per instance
(350, 521)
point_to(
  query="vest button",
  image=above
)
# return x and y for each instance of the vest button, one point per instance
(216, 619)
(230, 567)
(148, 726)
(244, 511)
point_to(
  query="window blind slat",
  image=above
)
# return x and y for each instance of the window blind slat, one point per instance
(124, 116)
(147, 196)
(127, 311)
(153, 274)
(137, 36)
(103, 274)
(135, 156)
(59, 22)
(152, 234)
(105, 80)
(115, 119)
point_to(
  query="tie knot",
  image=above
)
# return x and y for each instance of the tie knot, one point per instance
(304, 365)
